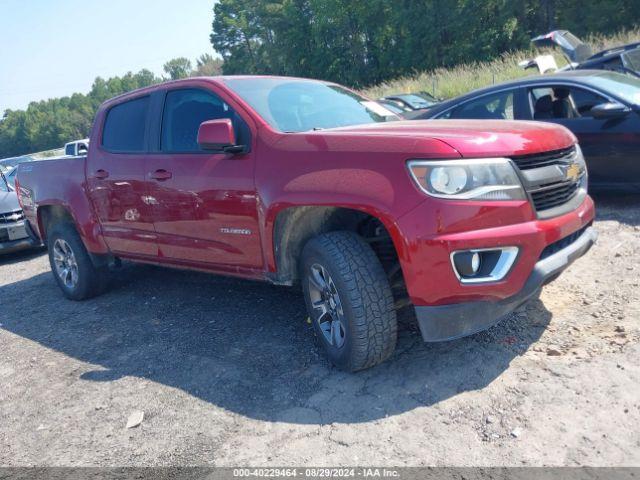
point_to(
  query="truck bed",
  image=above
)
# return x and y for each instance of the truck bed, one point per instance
(56, 181)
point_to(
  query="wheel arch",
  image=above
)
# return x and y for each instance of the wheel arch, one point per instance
(294, 226)
(50, 215)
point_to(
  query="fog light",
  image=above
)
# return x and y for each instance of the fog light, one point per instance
(475, 262)
(467, 263)
(483, 265)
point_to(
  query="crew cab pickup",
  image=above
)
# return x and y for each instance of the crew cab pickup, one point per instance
(303, 182)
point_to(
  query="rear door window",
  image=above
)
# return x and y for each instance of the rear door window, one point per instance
(498, 106)
(125, 126)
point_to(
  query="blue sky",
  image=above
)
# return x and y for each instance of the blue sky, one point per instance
(52, 48)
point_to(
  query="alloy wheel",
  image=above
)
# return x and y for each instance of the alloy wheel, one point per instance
(65, 262)
(326, 301)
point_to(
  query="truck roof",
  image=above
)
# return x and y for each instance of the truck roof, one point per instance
(219, 79)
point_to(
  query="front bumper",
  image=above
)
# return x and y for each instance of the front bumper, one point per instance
(21, 237)
(448, 322)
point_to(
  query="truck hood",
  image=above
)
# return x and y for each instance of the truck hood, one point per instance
(475, 138)
(9, 202)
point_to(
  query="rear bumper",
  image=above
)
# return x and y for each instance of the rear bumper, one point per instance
(448, 322)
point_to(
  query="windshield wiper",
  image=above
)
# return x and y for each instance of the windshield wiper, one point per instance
(314, 129)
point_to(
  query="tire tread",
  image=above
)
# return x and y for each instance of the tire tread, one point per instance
(93, 280)
(374, 324)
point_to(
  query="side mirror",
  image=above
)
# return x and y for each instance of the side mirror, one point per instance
(609, 110)
(216, 135)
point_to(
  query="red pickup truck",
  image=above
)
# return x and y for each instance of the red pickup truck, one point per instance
(302, 182)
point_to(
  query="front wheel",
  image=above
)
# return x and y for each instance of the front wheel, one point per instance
(349, 300)
(71, 265)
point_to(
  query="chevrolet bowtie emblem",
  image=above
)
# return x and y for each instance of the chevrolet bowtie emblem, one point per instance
(573, 172)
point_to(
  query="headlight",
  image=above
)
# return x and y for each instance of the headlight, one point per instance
(481, 179)
(582, 165)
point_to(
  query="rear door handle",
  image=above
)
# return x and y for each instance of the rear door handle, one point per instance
(101, 174)
(160, 175)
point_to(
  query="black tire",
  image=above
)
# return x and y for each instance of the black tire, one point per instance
(90, 280)
(370, 327)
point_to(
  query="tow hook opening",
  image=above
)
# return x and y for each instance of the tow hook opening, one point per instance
(483, 265)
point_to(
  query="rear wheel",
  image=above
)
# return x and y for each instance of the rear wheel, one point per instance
(71, 265)
(349, 300)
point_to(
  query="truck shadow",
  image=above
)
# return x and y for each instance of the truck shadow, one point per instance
(247, 347)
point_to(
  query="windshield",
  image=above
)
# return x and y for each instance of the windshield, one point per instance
(624, 86)
(389, 105)
(293, 105)
(415, 101)
(428, 97)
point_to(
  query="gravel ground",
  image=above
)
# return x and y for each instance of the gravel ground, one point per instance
(227, 373)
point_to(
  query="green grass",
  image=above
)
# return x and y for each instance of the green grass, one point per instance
(56, 152)
(450, 82)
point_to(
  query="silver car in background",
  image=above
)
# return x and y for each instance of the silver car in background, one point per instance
(13, 230)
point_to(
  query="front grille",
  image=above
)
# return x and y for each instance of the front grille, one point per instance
(553, 195)
(11, 217)
(555, 247)
(551, 180)
(537, 160)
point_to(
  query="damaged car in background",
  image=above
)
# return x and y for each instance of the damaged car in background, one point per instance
(13, 228)
(580, 56)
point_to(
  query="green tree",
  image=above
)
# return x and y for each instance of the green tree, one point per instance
(362, 42)
(51, 123)
(178, 68)
(207, 66)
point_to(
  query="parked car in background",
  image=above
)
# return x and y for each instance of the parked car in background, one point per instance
(395, 107)
(411, 101)
(601, 108)
(625, 58)
(12, 172)
(10, 175)
(15, 161)
(13, 232)
(303, 182)
(79, 147)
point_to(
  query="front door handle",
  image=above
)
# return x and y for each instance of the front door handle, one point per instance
(160, 175)
(101, 174)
